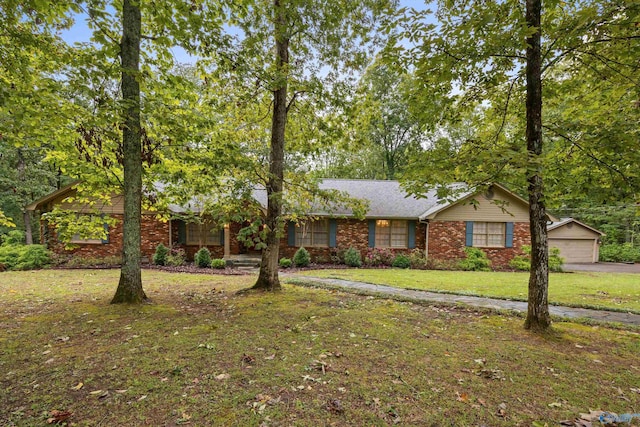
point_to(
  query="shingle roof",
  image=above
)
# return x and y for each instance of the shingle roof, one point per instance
(386, 199)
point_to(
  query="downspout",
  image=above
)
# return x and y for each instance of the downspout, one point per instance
(170, 233)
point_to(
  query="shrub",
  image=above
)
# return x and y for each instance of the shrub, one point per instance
(14, 238)
(401, 261)
(523, 262)
(21, 257)
(555, 260)
(218, 263)
(301, 258)
(379, 257)
(418, 259)
(520, 263)
(352, 258)
(176, 257)
(9, 256)
(202, 258)
(476, 260)
(285, 262)
(614, 252)
(160, 256)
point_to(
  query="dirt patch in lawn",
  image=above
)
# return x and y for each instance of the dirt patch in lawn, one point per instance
(200, 354)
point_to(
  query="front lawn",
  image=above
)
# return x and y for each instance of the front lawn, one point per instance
(599, 290)
(200, 354)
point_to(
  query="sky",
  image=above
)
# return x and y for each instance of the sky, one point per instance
(80, 32)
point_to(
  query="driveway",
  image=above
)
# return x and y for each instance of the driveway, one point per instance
(605, 267)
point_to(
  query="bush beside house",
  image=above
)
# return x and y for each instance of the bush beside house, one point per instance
(15, 255)
(523, 262)
(476, 260)
(302, 258)
(202, 258)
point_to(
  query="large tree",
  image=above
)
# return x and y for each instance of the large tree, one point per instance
(538, 317)
(291, 63)
(97, 113)
(385, 120)
(496, 81)
(130, 284)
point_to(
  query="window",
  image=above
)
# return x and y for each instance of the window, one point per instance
(489, 234)
(203, 234)
(391, 233)
(315, 233)
(94, 237)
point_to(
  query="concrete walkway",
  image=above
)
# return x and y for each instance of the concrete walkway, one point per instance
(520, 306)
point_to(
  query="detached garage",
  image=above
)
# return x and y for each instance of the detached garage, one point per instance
(578, 243)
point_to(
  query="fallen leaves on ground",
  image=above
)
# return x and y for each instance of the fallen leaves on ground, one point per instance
(334, 406)
(57, 417)
(502, 410)
(585, 420)
(248, 359)
(462, 397)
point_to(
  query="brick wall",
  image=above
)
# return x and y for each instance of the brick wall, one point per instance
(447, 243)
(153, 232)
(350, 233)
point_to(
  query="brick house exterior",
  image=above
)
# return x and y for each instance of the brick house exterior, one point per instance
(447, 243)
(496, 221)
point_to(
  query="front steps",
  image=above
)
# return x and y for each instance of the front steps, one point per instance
(243, 261)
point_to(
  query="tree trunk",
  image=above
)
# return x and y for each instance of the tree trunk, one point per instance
(130, 285)
(538, 306)
(25, 214)
(27, 227)
(268, 278)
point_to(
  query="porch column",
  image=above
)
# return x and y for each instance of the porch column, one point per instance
(227, 241)
(426, 240)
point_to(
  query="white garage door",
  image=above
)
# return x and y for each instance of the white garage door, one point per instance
(574, 250)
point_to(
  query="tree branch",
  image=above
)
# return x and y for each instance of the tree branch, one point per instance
(587, 152)
(505, 110)
(293, 99)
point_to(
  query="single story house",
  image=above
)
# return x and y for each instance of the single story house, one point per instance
(495, 220)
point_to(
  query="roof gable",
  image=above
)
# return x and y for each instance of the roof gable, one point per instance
(60, 194)
(496, 201)
(568, 222)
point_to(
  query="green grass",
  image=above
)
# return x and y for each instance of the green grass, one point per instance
(200, 354)
(598, 290)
